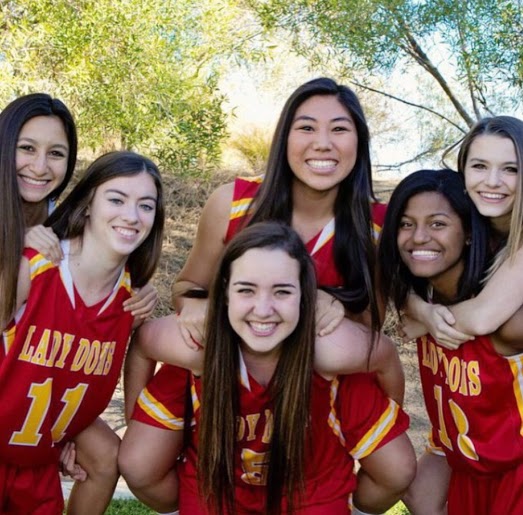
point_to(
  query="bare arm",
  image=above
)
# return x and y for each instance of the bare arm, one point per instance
(156, 340)
(346, 351)
(202, 262)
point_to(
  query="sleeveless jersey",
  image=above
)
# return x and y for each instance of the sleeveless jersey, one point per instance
(59, 363)
(350, 418)
(321, 247)
(474, 399)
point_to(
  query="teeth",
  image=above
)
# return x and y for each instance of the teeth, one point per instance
(424, 254)
(126, 232)
(493, 196)
(35, 182)
(261, 327)
(321, 164)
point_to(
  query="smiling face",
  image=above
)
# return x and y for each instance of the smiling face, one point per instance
(41, 157)
(491, 175)
(322, 145)
(264, 300)
(122, 213)
(431, 240)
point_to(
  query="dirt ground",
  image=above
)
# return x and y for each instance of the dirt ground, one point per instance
(184, 201)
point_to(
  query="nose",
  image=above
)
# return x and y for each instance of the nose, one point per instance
(323, 140)
(493, 178)
(130, 214)
(39, 163)
(421, 235)
(263, 306)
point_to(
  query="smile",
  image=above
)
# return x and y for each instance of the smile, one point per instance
(126, 233)
(492, 196)
(263, 328)
(425, 255)
(34, 182)
(322, 164)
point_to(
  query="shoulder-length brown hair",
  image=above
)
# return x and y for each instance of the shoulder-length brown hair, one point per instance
(12, 223)
(290, 387)
(68, 220)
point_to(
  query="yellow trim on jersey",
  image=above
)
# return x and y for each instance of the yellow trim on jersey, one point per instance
(377, 432)
(431, 446)
(333, 420)
(8, 337)
(158, 411)
(376, 231)
(38, 265)
(194, 396)
(240, 207)
(516, 365)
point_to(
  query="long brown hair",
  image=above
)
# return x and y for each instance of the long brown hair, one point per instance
(12, 223)
(290, 386)
(68, 220)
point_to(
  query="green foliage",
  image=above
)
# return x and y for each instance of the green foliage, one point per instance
(472, 50)
(138, 74)
(127, 507)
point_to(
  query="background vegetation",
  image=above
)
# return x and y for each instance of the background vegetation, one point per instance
(156, 75)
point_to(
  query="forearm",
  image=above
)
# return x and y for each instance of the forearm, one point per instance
(385, 361)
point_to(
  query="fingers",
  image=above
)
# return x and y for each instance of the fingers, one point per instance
(45, 241)
(143, 302)
(191, 341)
(68, 465)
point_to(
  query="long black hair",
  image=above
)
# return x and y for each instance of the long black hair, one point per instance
(396, 278)
(354, 250)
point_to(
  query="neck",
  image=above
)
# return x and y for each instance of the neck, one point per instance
(93, 275)
(311, 209)
(501, 224)
(260, 367)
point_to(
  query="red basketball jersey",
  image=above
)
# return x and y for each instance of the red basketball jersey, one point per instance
(59, 363)
(347, 422)
(474, 398)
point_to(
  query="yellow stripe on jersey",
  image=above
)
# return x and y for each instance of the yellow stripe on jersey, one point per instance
(8, 337)
(194, 396)
(325, 236)
(333, 420)
(240, 208)
(376, 231)
(431, 446)
(516, 365)
(158, 411)
(377, 432)
(38, 265)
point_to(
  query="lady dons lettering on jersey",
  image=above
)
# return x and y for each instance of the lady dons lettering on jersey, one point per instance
(461, 375)
(53, 348)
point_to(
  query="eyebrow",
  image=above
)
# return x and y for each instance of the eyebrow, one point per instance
(278, 285)
(482, 160)
(446, 215)
(31, 140)
(337, 119)
(147, 197)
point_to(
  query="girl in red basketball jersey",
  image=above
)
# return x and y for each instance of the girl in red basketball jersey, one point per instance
(269, 434)
(318, 181)
(434, 242)
(38, 148)
(62, 353)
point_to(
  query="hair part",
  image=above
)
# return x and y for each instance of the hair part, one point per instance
(69, 219)
(353, 239)
(12, 119)
(290, 386)
(396, 278)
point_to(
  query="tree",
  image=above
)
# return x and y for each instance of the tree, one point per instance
(138, 74)
(472, 51)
